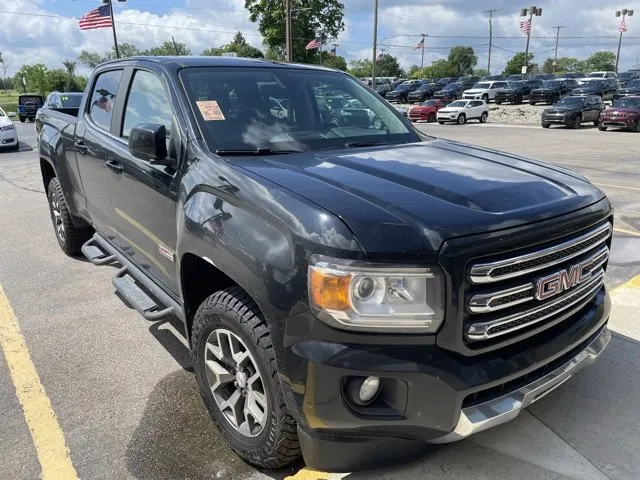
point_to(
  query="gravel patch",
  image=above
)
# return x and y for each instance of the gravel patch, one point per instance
(524, 114)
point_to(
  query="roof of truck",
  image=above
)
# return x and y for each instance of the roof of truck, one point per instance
(210, 61)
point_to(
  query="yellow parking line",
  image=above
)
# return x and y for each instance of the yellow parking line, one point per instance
(308, 474)
(633, 283)
(626, 232)
(47, 436)
(615, 186)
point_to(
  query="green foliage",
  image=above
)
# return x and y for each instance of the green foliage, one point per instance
(462, 60)
(388, 66)
(334, 62)
(360, 68)
(439, 69)
(480, 72)
(36, 77)
(514, 66)
(415, 72)
(90, 59)
(168, 48)
(238, 45)
(602, 60)
(309, 17)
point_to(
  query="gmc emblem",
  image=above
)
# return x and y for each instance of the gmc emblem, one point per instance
(563, 280)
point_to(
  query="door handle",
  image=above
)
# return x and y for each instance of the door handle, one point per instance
(81, 147)
(115, 166)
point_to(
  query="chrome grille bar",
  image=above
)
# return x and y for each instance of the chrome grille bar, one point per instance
(506, 325)
(532, 262)
(494, 301)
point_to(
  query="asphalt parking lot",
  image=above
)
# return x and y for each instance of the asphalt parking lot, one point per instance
(127, 404)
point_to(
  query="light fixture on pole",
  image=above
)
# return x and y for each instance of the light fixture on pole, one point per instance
(624, 13)
(526, 27)
(555, 58)
(490, 12)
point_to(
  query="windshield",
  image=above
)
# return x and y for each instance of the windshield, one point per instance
(425, 87)
(516, 85)
(570, 102)
(430, 103)
(452, 86)
(71, 100)
(634, 84)
(232, 106)
(402, 87)
(550, 84)
(29, 98)
(482, 85)
(458, 104)
(625, 75)
(627, 102)
(596, 75)
(592, 83)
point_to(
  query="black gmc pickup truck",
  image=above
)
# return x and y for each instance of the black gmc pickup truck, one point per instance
(350, 293)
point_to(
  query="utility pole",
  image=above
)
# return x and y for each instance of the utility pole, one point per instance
(423, 35)
(531, 11)
(490, 12)
(375, 43)
(623, 28)
(555, 58)
(287, 22)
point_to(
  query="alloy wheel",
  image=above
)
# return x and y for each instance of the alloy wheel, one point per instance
(57, 217)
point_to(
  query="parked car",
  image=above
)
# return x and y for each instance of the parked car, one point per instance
(28, 106)
(471, 79)
(444, 81)
(401, 93)
(515, 77)
(605, 88)
(573, 75)
(453, 91)
(374, 120)
(8, 133)
(424, 92)
(624, 113)
(60, 101)
(552, 91)
(383, 89)
(631, 89)
(544, 76)
(488, 78)
(336, 111)
(625, 77)
(573, 111)
(401, 110)
(461, 111)
(337, 288)
(426, 110)
(603, 74)
(485, 91)
(517, 91)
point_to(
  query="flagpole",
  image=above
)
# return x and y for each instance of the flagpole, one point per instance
(422, 63)
(113, 26)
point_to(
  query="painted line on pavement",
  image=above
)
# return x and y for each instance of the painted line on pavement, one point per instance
(616, 186)
(309, 474)
(46, 433)
(626, 232)
(633, 283)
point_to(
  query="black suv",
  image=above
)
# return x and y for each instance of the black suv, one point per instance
(630, 89)
(383, 89)
(453, 91)
(424, 92)
(573, 111)
(552, 91)
(401, 93)
(543, 76)
(625, 77)
(605, 88)
(516, 92)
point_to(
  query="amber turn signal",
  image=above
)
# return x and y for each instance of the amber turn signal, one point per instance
(329, 291)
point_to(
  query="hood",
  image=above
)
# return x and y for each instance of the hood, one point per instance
(544, 90)
(408, 199)
(627, 110)
(450, 109)
(477, 90)
(588, 89)
(561, 109)
(630, 90)
(4, 121)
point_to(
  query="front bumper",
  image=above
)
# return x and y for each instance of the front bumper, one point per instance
(8, 138)
(473, 96)
(619, 122)
(508, 98)
(555, 118)
(544, 97)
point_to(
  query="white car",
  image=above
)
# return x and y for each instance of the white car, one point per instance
(462, 110)
(609, 74)
(485, 90)
(8, 134)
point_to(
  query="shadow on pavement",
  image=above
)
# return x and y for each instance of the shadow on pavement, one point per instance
(177, 439)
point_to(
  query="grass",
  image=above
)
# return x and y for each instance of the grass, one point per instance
(9, 102)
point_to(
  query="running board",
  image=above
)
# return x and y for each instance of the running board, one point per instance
(132, 283)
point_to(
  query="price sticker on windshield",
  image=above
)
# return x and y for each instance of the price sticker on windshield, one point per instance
(210, 110)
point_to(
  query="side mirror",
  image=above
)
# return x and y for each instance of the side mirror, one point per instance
(148, 142)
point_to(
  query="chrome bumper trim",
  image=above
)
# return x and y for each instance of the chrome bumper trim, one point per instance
(507, 407)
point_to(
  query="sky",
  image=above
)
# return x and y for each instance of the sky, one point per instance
(46, 31)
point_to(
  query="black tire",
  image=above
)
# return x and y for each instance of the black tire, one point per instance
(485, 97)
(595, 123)
(70, 238)
(484, 117)
(636, 127)
(462, 119)
(377, 123)
(498, 102)
(22, 118)
(602, 128)
(431, 118)
(545, 125)
(232, 309)
(441, 123)
(531, 103)
(575, 123)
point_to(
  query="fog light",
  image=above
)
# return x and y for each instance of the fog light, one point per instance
(369, 389)
(362, 391)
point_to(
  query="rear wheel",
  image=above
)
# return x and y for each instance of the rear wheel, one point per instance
(441, 123)
(485, 97)
(531, 102)
(235, 367)
(498, 102)
(377, 124)
(70, 238)
(545, 125)
(22, 118)
(636, 127)
(602, 128)
(484, 117)
(431, 118)
(462, 118)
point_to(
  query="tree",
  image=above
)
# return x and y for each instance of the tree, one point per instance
(462, 60)
(334, 62)
(387, 66)
(360, 68)
(57, 80)
(90, 59)
(4, 65)
(36, 77)
(415, 72)
(93, 59)
(168, 49)
(238, 45)
(514, 66)
(70, 66)
(439, 69)
(564, 64)
(310, 17)
(480, 72)
(602, 60)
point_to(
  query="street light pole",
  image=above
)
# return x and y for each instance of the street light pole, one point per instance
(531, 11)
(287, 27)
(623, 28)
(490, 12)
(375, 43)
(423, 35)
(555, 58)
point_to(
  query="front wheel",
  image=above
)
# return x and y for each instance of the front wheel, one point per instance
(602, 128)
(431, 118)
(545, 125)
(575, 123)
(70, 238)
(636, 127)
(441, 123)
(462, 118)
(235, 367)
(595, 123)
(532, 102)
(484, 117)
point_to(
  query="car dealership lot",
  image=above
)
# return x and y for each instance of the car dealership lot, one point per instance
(128, 405)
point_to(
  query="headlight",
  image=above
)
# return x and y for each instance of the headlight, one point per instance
(7, 127)
(345, 114)
(364, 296)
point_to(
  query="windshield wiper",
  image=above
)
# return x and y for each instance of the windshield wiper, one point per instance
(256, 151)
(365, 144)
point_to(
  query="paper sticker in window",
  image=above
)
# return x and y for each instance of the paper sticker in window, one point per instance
(210, 110)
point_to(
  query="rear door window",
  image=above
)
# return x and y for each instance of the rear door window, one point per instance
(103, 98)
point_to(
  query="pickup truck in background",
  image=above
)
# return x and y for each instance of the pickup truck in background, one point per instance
(349, 293)
(28, 106)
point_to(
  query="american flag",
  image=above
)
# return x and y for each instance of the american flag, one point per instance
(98, 18)
(334, 51)
(104, 104)
(420, 45)
(313, 44)
(623, 26)
(525, 26)
(379, 57)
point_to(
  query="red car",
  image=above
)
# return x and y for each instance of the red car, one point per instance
(426, 110)
(625, 113)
